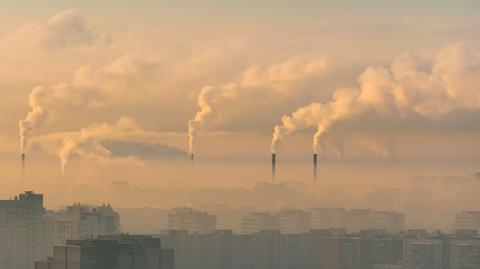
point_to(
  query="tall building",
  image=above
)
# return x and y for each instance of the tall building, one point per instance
(391, 222)
(293, 221)
(79, 222)
(191, 220)
(423, 253)
(384, 251)
(21, 231)
(467, 220)
(120, 251)
(316, 249)
(465, 253)
(328, 218)
(357, 219)
(254, 222)
(48, 264)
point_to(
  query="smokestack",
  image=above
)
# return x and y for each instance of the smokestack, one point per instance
(315, 159)
(192, 157)
(274, 164)
(23, 163)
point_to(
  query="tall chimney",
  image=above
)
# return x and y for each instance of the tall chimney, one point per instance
(192, 157)
(315, 159)
(23, 163)
(274, 165)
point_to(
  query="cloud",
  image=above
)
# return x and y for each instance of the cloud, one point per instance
(357, 144)
(282, 75)
(122, 81)
(258, 85)
(123, 141)
(143, 150)
(450, 83)
(63, 30)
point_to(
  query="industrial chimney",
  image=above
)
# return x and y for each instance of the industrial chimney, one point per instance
(274, 164)
(192, 157)
(23, 163)
(315, 159)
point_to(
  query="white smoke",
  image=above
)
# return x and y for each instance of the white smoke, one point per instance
(316, 114)
(451, 83)
(281, 78)
(88, 88)
(358, 144)
(87, 143)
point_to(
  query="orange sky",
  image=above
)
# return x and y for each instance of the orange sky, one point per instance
(234, 69)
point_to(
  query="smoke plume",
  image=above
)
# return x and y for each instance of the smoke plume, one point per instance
(281, 78)
(88, 88)
(112, 143)
(316, 114)
(358, 143)
(450, 83)
(87, 142)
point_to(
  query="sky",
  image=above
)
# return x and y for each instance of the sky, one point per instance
(107, 90)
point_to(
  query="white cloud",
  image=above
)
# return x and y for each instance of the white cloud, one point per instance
(63, 30)
(118, 82)
(450, 83)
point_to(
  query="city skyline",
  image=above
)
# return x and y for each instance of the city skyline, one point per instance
(100, 237)
(231, 125)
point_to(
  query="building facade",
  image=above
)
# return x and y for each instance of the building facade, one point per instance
(22, 237)
(191, 220)
(111, 252)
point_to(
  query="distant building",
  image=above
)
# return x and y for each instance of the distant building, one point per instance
(274, 250)
(467, 220)
(21, 231)
(391, 222)
(121, 251)
(80, 222)
(388, 266)
(254, 222)
(191, 220)
(293, 221)
(465, 253)
(328, 218)
(48, 264)
(423, 253)
(120, 191)
(357, 219)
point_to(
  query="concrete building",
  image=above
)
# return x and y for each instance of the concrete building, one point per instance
(79, 222)
(178, 240)
(465, 253)
(48, 264)
(254, 222)
(324, 249)
(121, 251)
(293, 221)
(467, 220)
(423, 253)
(327, 218)
(21, 231)
(388, 266)
(357, 219)
(191, 220)
(391, 222)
